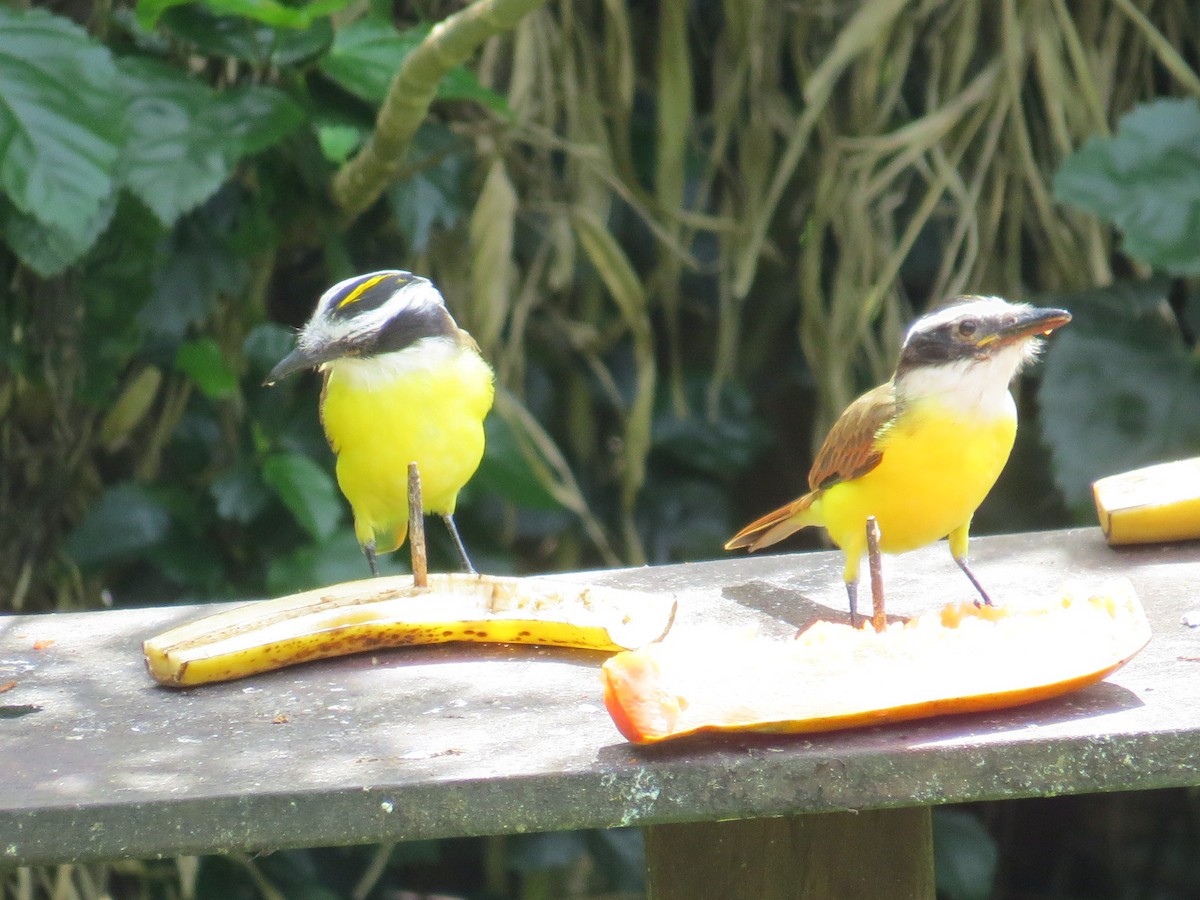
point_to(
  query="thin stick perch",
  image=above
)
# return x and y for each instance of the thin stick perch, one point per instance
(416, 528)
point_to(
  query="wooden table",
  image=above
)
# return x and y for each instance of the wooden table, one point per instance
(98, 762)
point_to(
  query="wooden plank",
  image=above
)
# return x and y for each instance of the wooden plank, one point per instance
(884, 854)
(96, 761)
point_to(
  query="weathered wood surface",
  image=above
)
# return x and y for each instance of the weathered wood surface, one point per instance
(883, 854)
(98, 762)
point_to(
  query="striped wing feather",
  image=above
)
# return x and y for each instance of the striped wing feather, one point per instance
(849, 450)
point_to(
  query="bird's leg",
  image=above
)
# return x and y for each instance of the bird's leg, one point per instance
(852, 596)
(368, 550)
(958, 549)
(458, 544)
(962, 564)
(875, 561)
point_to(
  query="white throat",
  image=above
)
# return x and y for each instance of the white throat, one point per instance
(370, 372)
(973, 387)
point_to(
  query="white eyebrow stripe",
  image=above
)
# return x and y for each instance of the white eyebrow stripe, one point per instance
(982, 307)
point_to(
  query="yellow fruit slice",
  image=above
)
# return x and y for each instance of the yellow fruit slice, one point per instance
(962, 658)
(1157, 503)
(391, 612)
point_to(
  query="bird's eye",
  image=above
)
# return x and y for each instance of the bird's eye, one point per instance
(967, 327)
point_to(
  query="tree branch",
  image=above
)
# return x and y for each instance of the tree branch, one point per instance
(360, 181)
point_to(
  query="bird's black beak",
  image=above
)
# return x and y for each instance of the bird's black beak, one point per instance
(296, 361)
(1026, 324)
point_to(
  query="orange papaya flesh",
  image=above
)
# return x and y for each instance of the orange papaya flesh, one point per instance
(959, 659)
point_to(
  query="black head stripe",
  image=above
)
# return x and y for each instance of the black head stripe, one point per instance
(409, 327)
(935, 346)
(368, 292)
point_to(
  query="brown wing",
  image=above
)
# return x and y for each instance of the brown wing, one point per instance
(849, 449)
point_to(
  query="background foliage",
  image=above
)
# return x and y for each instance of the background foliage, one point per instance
(686, 235)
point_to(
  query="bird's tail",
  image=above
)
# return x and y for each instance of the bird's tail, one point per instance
(777, 525)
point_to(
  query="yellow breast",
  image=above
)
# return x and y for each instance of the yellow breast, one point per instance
(423, 404)
(937, 467)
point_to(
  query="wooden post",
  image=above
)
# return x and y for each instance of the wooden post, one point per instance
(875, 560)
(884, 854)
(416, 528)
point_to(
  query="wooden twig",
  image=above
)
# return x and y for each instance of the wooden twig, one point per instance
(875, 560)
(416, 528)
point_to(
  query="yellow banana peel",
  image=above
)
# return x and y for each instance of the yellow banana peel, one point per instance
(389, 612)
(1156, 503)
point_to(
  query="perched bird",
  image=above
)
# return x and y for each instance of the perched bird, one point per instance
(920, 452)
(402, 383)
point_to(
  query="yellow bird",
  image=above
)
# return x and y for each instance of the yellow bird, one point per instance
(920, 452)
(402, 383)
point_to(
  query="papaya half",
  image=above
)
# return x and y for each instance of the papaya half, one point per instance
(959, 659)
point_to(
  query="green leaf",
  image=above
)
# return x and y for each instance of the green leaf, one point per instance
(200, 264)
(269, 12)
(191, 563)
(307, 490)
(183, 138)
(265, 345)
(338, 141)
(127, 521)
(173, 162)
(722, 446)
(60, 121)
(49, 249)
(239, 493)
(1120, 388)
(367, 54)
(1145, 180)
(435, 195)
(256, 117)
(236, 37)
(202, 361)
(461, 84)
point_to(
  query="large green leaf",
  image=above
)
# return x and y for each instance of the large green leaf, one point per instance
(721, 446)
(255, 117)
(255, 43)
(60, 121)
(199, 264)
(183, 138)
(307, 490)
(239, 493)
(126, 522)
(367, 54)
(1120, 388)
(48, 249)
(265, 345)
(1145, 180)
(269, 12)
(436, 195)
